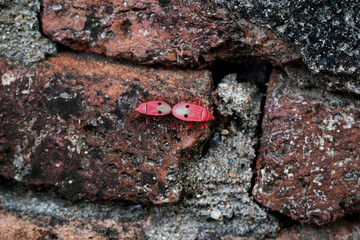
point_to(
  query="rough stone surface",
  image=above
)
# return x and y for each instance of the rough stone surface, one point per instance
(179, 33)
(208, 234)
(69, 123)
(308, 164)
(27, 226)
(21, 199)
(327, 33)
(330, 82)
(241, 100)
(20, 38)
(28, 215)
(216, 190)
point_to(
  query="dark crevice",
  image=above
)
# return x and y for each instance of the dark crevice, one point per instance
(285, 222)
(257, 148)
(254, 71)
(7, 182)
(208, 144)
(64, 50)
(39, 13)
(354, 217)
(261, 81)
(39, 20)
(258, 72)
(61, 48)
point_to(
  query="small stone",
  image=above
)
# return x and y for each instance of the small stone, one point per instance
(65, 95)
(216, 214)
(212, 186)
(240, 190)
(232, 174)
(225, 132)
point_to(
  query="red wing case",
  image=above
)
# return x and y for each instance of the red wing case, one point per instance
(157, 108)
(189, 112)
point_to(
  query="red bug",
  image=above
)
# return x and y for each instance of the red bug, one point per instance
(193, 113)
(153, 108)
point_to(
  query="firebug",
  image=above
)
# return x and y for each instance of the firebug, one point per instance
(153, 108)
(193, 113)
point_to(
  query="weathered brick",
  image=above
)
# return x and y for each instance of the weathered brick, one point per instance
(172, 33)
(69, 123)
(308, 165)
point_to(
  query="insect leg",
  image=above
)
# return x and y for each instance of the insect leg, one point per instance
(206, 127)
(157, 119)
(138, 116)
(143, 100)
(161, 98)
(147, 119)
(189, 126)
(198, 101)
(195, 99)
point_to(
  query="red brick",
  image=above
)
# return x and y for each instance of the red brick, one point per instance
(69, 122)
(308, 165)
(173, 33)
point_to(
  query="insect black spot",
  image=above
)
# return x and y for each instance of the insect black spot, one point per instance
(187, 106)
(185, 116)
(159, 112)
(159, 103)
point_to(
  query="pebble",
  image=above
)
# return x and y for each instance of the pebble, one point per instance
(225, 132)
(216, 214)
(232, 174)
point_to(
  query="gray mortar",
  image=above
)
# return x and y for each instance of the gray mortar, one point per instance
(23, 200)
(217, 185)
(240, 100)
(20, 39)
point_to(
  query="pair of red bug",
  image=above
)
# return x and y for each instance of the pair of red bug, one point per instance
(185, 111)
